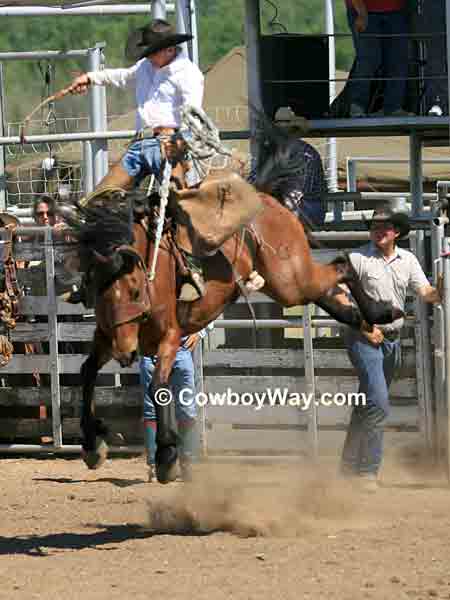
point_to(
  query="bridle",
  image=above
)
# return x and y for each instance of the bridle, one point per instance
(125, 312)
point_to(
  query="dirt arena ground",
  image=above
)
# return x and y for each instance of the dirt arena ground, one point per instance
(247, 531)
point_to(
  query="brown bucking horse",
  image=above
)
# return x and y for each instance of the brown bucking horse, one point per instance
(134, 314)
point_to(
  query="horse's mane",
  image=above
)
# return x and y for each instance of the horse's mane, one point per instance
(280, 160)
(102, 228)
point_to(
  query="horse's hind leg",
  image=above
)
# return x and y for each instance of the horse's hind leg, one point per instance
(380, 312)
(335, 303)
(94, 431)
(167, 430)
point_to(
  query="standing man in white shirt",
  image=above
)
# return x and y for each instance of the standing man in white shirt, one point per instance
(164, 82)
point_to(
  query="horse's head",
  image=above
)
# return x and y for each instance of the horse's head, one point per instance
(123, 299)
(117, 275)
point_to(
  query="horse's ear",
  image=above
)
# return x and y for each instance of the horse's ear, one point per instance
(111, 264)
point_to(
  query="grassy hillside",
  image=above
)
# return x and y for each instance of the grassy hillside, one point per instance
(221, 26)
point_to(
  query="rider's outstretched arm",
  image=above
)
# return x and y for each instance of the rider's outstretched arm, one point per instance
(117, 77)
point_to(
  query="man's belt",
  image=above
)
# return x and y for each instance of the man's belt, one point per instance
(152, 132)
(391, 334)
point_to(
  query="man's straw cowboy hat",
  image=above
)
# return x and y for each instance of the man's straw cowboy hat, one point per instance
(398, 219)
(155, 36)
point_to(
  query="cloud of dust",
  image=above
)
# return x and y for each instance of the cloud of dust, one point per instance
(254, 501)
(417, 461)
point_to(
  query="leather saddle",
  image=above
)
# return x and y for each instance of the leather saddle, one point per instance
(210, 213)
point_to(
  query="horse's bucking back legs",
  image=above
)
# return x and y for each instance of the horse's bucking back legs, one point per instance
(379, 312)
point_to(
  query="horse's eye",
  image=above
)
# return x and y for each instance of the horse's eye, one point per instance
(135, 295)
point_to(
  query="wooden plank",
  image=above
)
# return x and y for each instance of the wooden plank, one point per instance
(76, 332)
(287, 359)
(290, 417)
(223, 359)
(30, 332)
(33, 249)
(12, 429)
(82, 331)
(224, 439)
(131, 395)
(21, 363)
(38, 305)
(401, 387)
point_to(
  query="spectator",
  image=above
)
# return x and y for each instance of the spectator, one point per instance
(432, 22)
(369, 18)
(386, 272)
(44, 210)
(182, 377)
(294, 165)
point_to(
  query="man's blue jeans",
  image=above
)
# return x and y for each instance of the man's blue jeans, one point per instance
(372, 53)
(375, 366)
(182, 386)
(181, 378)
(143, 158)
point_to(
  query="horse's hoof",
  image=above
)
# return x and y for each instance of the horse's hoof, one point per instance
(166, 473)
(94, 459)
(116, 439)
(166, 464)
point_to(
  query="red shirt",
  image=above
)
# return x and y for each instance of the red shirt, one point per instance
(382, 5)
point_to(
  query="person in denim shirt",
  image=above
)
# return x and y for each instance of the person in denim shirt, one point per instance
(301, 192)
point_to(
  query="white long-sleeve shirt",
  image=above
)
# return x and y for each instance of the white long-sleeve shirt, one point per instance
(160, 93)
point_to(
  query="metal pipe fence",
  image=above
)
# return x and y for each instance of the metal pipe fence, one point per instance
(306, 322)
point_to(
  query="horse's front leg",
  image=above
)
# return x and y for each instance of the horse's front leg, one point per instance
(94, 431)
(167, 431)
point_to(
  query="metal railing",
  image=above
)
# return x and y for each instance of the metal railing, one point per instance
(306, 322)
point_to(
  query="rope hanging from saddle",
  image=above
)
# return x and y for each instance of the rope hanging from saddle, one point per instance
(163, 200)
(203, 143)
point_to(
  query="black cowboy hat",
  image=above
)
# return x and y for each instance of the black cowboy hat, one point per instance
(155, 36)
(398, 219)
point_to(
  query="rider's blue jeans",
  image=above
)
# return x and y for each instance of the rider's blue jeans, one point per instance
(375, 366)
(143, 158)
